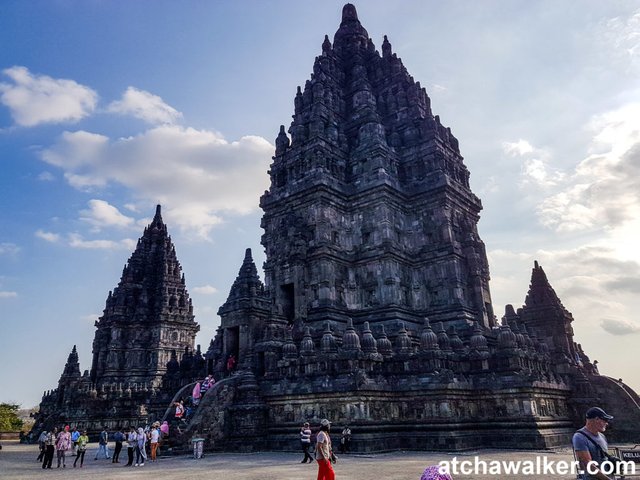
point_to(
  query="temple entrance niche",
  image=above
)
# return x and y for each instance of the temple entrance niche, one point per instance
(231, 341)
(260, 364)
(288, 301)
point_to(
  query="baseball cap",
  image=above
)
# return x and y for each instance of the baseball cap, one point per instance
(325, 423)
(597, 412)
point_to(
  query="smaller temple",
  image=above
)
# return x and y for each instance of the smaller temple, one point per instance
(146, 326)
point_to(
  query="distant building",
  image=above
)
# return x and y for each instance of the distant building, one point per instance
(375, 311)
(148, 319)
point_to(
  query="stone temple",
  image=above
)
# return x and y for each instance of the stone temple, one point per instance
(375, 309)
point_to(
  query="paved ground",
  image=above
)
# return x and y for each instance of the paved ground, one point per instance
(19, 462)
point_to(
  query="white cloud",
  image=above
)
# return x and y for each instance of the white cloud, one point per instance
(9, 248)
(4, 294)
(77, 241)
(48, 236)
(36, 99)
(535, 169)
(604, 191)
(519, 148)
(46, 177)
(535, 164)
(621, 35)
(101, 214)
(617, 326)
(205, 290)
(196, 175)
(132, 207)
(77, 150)
(145, 106)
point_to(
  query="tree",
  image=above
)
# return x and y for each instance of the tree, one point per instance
(9, 420)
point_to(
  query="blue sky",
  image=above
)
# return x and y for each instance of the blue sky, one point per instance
(107, 108)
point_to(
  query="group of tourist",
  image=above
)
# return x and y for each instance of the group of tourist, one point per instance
(589, 444)
(323, 450)
(306, 436)
(59, 443)
(183, 410)
(72, 442)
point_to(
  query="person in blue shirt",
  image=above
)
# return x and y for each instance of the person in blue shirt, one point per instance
(590, 444)
(75, 435)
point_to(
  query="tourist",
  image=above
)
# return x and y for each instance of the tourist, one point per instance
(164, 428)
(206, 385)
(155, 439)
(83, 440)
(231, 363)
(179, 410)
(103, 444)
(50, 447)
(345, 440)
(75, 434)
(132, 443)
(590, 444)
(63, 445)
(305, 442)
(196, 394)
(324, 453)
(141, 454)
(433, 473)
(41, 443)
(118, 437)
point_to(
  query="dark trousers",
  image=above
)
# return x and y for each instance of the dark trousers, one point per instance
(43, 449)
(139, 454)
(48, 456)
(79, 455)
(305, 450)
(130, 454)
(116, 453)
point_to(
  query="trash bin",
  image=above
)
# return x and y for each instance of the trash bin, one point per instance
(198, 447)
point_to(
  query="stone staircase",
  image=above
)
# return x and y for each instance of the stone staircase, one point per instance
(619, 400)
(181, 433)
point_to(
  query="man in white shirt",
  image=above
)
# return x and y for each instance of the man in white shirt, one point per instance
(324, 454)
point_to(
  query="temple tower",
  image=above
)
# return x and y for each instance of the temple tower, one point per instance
(147, 316)
(369, 214)
(544, 313)
(244, 312)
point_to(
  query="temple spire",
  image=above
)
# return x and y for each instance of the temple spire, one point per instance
(72, 367)
(247, 284)
(151, 290)
(540, 290)
(349, 14)
(157, 218)
(544, 314)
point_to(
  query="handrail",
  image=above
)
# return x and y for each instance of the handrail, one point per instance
(623, 387)
(175, 398)
(191, 385)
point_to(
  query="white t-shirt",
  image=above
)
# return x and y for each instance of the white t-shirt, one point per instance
(323, 445)
(155, 435)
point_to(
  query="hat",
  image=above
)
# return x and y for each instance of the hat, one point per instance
(597, 412)
(325, 423)
(306, 423)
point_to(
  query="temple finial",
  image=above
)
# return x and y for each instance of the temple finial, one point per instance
(326, 45)
(158, 216)
(386, 47)
(349, 13)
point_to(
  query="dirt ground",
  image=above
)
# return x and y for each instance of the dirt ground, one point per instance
(19, 462)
